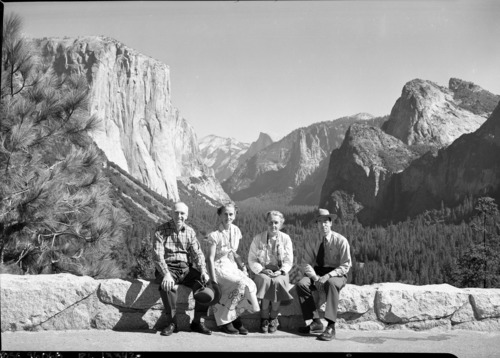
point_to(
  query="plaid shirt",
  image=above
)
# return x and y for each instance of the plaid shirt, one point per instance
(170, 246)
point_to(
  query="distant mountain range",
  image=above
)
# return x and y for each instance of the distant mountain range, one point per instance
(438, 144)
(223, 155)
(292, 162)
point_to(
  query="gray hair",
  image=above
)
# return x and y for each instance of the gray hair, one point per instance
(275, 213)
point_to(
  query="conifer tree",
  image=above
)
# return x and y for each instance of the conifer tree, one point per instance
(55, 209)
(479, 264)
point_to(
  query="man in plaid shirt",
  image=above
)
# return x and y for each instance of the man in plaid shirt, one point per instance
(176, 248)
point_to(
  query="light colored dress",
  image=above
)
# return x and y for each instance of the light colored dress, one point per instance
(238, 291)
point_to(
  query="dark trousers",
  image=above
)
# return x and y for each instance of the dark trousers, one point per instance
(182, 275)
(332, 287)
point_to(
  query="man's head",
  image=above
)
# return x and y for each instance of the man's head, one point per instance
(180, 214)
(324, 221)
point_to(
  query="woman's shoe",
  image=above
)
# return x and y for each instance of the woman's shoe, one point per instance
(264, 326)
(239, 326)
(228, 328)
(273, 325)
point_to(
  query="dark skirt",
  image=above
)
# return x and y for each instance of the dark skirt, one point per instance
(273, 288)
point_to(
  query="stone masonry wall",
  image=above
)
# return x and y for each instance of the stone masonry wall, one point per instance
(68, 302)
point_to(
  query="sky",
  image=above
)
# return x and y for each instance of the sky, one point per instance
(239, 68)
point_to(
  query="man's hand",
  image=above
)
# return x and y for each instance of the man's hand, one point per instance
(168, 283)
(321, 282)
(277, 273)
(205, 277)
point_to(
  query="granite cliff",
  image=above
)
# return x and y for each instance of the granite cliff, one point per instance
(291, 161)
(421, 157)
(142, 132)
(429, 114)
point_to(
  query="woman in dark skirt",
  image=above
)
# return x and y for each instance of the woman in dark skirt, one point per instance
(271, 258)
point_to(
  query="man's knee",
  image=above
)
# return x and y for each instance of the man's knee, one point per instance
(337, 282)
(303, 285)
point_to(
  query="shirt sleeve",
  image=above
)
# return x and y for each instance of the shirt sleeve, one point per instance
(253, 253)
(211, 238)
(196, 253)
(288, 259)
(237, 237)
(309, 259)
(159, 253)
(345, 258)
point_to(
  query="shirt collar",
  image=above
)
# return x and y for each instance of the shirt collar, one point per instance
(174, 227)
(221, 227)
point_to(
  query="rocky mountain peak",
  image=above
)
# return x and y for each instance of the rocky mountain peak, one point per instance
(473, 98)
(432, 115)
(142, 132)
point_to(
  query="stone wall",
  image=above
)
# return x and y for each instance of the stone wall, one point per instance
(68, 302)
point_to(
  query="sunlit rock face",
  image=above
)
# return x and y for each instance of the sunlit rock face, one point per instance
(141, 130)
(221, 154)
(429, 114)
(436, 148)
(291, 162)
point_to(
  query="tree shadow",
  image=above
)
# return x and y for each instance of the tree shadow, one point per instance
(141, 297)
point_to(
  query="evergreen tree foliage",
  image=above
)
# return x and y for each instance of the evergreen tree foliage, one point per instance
(55, 209)
(479, 264)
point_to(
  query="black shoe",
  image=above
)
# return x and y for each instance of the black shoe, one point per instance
(314, 327)
(229, 328)
(328, 334)
(264, 326)
(273, 325)
(200, 328)
(167, 331)
(239, 326)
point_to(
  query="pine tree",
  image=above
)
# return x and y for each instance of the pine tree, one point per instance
(55, 209)
(479, 264)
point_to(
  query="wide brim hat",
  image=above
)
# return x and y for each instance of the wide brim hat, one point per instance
(324, 213)
(207, 295)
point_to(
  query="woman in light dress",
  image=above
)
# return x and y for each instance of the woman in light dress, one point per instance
(271, 258)
(225, 267)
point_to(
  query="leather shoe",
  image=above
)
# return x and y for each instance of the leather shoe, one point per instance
(273, 325)
(229, 328)
(314, 327)
(239, 326)
(264, 326)
(167, 331)
(328, 334)
(200, 328)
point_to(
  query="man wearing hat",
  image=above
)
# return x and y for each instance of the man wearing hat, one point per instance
(175, 248)
(325, 265)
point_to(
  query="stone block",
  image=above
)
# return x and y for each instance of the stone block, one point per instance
(401, 303)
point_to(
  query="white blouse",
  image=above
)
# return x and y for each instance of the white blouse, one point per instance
(264, 251)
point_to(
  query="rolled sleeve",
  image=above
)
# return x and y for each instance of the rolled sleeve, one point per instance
(196, 253)
(159, 253)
